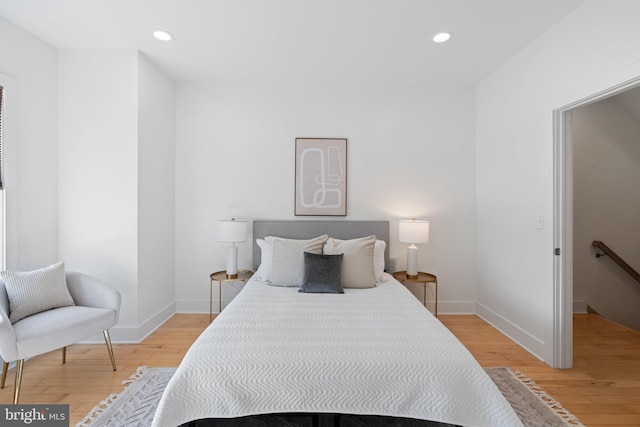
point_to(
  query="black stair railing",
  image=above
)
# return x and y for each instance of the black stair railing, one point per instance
(615, 258)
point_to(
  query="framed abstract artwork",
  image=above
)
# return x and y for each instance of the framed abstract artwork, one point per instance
(321, 176)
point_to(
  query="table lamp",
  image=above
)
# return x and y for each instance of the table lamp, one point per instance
(232, 231)
(413, 231)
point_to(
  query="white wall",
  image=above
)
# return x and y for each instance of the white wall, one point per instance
(29, 67)
(592, 49)
(75, 176)
(98, 169)
(156, 192)
(410, 154)
(116, 180)
(606, 147)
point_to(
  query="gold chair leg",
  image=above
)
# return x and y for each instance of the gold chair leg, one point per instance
(107, 339)
(16, 392)
(64, 355)
(5, 368)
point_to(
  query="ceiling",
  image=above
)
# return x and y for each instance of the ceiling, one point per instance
(369, 41)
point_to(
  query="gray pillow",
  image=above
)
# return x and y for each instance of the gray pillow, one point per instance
(32, 292)
(322, 274)
(287, 266)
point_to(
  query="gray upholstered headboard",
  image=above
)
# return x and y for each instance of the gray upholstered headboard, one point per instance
(306, 229)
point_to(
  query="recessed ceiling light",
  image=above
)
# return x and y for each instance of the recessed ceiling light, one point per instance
(162, 35)
(442, 37)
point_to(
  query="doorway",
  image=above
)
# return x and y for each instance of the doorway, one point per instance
(564, 221)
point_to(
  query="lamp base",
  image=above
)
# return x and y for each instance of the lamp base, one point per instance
(232, 262)
(412, 262)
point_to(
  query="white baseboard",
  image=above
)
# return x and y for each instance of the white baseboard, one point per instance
(135, 335)
(525, 340)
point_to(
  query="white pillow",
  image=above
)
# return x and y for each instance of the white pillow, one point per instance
(32, 292)
(378, 257)
(264, 269)
(357, 260)
(283, 259)
(378, 260)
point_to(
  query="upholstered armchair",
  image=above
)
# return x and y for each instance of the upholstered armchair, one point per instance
(96, 309)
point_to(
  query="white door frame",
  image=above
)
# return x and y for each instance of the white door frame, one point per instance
(563, 222)
(9, 196)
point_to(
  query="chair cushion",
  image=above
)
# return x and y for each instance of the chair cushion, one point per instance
(32, 292)
(60, 327)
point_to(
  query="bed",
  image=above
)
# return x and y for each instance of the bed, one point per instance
(367, 356)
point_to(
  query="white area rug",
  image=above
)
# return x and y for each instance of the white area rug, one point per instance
(136, 404)
(534, 407)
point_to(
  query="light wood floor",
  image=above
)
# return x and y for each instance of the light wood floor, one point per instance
(603, 388)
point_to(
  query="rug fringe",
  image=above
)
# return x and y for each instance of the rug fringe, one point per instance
(571, 419)
(139, 372)
(109, 400)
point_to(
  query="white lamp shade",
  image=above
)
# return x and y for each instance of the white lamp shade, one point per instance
(413, 231)
(232, 230)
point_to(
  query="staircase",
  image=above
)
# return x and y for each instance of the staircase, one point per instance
(615, 295)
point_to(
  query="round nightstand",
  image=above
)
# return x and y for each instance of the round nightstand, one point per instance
(424, 279)
(221, 277)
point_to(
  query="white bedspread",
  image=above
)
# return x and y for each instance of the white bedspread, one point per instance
(368, 351)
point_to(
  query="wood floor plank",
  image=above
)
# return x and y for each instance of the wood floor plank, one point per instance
(602, 390)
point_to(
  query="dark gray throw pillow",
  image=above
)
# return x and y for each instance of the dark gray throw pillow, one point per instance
(322, 274)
